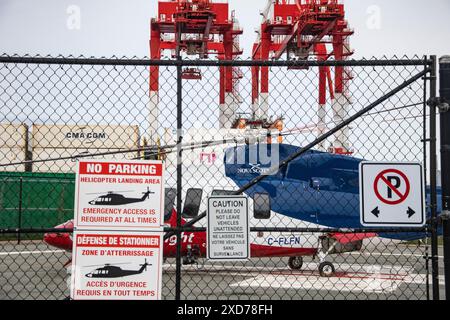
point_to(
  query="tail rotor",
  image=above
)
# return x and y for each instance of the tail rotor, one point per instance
(145, 265)
(147, 194)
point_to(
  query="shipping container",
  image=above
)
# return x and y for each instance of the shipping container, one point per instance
(85, 136)
(14, 146)
(12, 155)
(55, 141)
(13, 136)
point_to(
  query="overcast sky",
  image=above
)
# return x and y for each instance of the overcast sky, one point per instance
(121, 28)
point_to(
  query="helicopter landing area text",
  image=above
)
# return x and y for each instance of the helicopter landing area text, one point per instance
(119, 180)
(119, 195)
(117, 265)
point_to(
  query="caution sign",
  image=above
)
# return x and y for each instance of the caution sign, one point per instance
(392, 194)
(116, 266)
(228, 228)
(119, 195)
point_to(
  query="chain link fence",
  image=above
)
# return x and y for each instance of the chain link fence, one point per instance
(58, 110)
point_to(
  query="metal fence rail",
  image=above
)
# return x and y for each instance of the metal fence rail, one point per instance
(57, 110)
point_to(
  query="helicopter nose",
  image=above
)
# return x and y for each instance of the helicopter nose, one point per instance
(89, 275)
(91, 202)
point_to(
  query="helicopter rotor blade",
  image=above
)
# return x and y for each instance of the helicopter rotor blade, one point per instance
(108, 192)
(106, 265)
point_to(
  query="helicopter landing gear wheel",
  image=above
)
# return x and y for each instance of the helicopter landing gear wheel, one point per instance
(295, 263)
(192, 256)
(326, 269)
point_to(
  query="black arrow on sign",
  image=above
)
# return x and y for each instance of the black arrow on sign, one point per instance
(376, 212)
(410, 212)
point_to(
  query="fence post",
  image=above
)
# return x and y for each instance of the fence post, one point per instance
(433, 182)
(445, 163)
(20, 210)
(179, 165)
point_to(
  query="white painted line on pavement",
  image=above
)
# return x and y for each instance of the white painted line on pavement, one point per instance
(15, 253)
(388, 254)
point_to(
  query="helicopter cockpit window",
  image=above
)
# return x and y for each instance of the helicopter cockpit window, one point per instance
(261, 206)
(192, 202)
(169, 201)
(298, 171)
(322, 183)
(347, 180)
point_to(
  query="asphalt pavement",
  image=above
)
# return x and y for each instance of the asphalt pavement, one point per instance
(32, 270)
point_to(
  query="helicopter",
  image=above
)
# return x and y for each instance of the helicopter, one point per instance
(116, 199)
(318, 189)
(112, 271)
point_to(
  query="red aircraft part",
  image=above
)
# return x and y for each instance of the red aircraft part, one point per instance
(189, 240)
(303, 28)
(196, 27)
(198, 240)
(345, 238)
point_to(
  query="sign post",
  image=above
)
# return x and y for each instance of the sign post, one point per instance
(444, 66)
(228, 228)
(118, 235)
(392, 194)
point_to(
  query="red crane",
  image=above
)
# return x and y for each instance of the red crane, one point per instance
(300, 29)
(197, 28)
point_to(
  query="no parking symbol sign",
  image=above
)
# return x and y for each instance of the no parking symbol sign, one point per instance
(392, 194)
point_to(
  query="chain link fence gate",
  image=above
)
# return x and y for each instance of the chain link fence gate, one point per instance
(57, 110)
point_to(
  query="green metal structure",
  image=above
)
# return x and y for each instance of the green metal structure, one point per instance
(35, 200)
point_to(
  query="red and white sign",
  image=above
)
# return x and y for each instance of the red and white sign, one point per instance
(119, 195)
(392, 194)
(116, 265)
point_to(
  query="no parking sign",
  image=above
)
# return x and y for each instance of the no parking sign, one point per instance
(392, 194)
(117, 241)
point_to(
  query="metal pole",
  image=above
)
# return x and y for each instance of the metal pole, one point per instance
(20, 209)
(445, 164)
(179, 166)
(211, 63)
(426, 140)
(433, 191)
